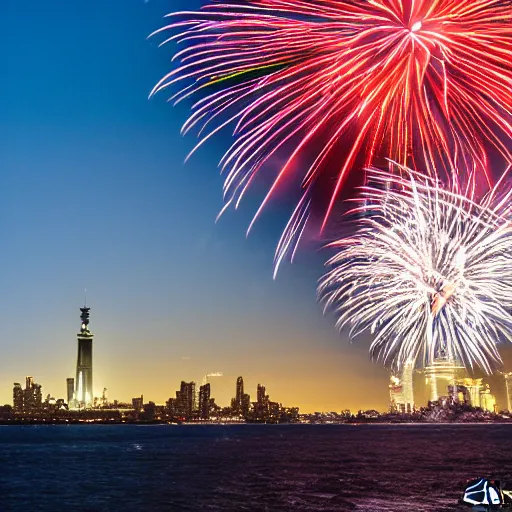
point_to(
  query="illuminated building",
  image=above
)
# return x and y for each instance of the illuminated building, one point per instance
(401, 391)
(83, 390)
(262, 405)
(239, 394)
(443, 372)
(29, 399)
(395, 394)
(104, 400)
(508, 389)
(185, 399)
(70, 387)
(487, 400)
(17, 397)
(204, 401)
(138, 403)
(260, 394)
(32, 395)
(172, 407)
(459, 393)
(246, 404)
(474, 388)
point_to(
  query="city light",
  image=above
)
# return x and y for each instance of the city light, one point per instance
(452, 394)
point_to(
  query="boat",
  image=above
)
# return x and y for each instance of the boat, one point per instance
(486, 495)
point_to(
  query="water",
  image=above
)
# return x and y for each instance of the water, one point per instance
(372, 468)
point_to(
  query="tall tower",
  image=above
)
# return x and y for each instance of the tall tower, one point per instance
(407, 385)
(401, 390)
(239, 393)
(83, 382)
(204, 401)
(508, 389)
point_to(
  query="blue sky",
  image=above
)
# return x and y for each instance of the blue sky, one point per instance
(94, 194)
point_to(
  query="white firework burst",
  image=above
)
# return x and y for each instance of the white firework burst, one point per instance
(429, 270)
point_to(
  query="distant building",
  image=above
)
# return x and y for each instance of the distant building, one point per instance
(138, 403)
(149, 411)
(84, 391)
(29, 399)
(246, 404)
(17, 397)
(104, 399)
(508, 389)
(185, 398)
(171, 407)
(460, 394)
(204, 401)
(487, 400)
(239, 395)
(70, 387)
(401, 391)
(474, 388)
(260, 394)
(32, 395)
(443, 372)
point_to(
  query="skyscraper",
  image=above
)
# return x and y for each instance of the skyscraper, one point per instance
(260, 394)
(185, 398)
(508, 389)
(70, 387)
(83, 390)
(246, 404)
(204, 401)
(401, 390)
(407, 385)
(239, 393)
(29, 399)
(17, 397)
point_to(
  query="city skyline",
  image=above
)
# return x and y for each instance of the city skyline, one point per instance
(445, 377)
(96, 195)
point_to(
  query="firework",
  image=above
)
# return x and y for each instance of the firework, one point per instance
(428, 271)
(332, 86)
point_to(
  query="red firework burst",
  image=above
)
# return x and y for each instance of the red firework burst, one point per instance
(344, 84)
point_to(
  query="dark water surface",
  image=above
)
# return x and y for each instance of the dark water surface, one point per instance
(410, 468)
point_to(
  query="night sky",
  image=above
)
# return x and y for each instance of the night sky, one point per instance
(95, 194)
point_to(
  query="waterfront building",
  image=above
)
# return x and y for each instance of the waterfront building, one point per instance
(246, 404)
(83, 390)
(508, 389)
(460, 394)
(204, 401)
(239, 395)
(185, 399)
(395, 393)
(261, 397)
(401, 391)
(70, 387)
(17, 397)
(138, 403)
(29, 399)
(172, 407)
(32, 395)
(443, 372)
(487, 399)
(474, 388)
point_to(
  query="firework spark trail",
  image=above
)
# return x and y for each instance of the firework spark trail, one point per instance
(408, 80)
(428, 270)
